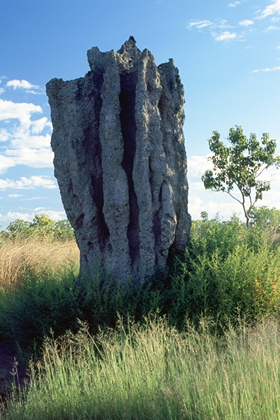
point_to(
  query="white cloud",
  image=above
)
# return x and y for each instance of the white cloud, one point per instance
(27, 183)
(200, 24)
(246, 22)
(272, 9)
(14, 195)
(224, 209)
(207, 24)
(277, 68)
(6, 162)
(24, 84)
(38, 126)
(234, 4)
(29, 139)
(226, 36)
(11, 216)
(197, 165)
(35, 158)
(196, 186)
(22, 111)
(5, 135)
(272, 28)
(55, 215)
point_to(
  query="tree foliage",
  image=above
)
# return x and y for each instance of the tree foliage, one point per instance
(41, 227)
(239, 167)
(266, 218)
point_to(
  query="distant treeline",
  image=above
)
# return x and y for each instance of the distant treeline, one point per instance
(42, 227)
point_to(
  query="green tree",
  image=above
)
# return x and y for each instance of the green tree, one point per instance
(19, 229)
(239, 166)
(63, 230)
(265, 218)
(42, 226)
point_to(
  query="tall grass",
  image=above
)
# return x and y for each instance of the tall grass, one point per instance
(154, 372)
(22, 255)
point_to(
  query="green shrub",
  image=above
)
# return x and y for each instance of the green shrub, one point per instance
(227, 272)
(38, 304)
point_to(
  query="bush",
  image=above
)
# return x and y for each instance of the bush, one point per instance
(227, 272)
(225, 267)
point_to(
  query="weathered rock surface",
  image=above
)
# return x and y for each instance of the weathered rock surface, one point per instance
(120, 160)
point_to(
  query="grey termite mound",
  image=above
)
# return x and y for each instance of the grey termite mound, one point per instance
(120, 161)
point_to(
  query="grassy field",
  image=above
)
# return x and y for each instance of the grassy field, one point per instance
(19, 256)
(154, 372)
(198, 341)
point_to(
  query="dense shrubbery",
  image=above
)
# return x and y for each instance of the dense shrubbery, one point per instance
(227, 272)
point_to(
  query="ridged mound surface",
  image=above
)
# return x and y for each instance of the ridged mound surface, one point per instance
(120, 160)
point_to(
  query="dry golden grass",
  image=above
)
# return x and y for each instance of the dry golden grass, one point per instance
(18, 256)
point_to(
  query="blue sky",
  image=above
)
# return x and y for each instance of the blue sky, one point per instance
(227, 52)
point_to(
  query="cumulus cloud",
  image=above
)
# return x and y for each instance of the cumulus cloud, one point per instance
(197, 165)
(226, 36)
(14, 215)
(24, 84)
(27, 183)
(28, 139)
(246, 22)
(38, 126)
(273, 8)
(22, 111)
(34, 158)
(277, 68)
(6, 162)
(5, 135)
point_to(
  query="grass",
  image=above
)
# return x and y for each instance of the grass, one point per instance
(20, 256)
(154, 372)
(203, 344)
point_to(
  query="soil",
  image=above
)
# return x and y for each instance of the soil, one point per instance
(11, 371)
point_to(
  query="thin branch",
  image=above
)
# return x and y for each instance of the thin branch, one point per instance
(261, 171)
(232, 196)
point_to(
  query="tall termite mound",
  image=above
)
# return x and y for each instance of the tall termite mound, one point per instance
(120, 161)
